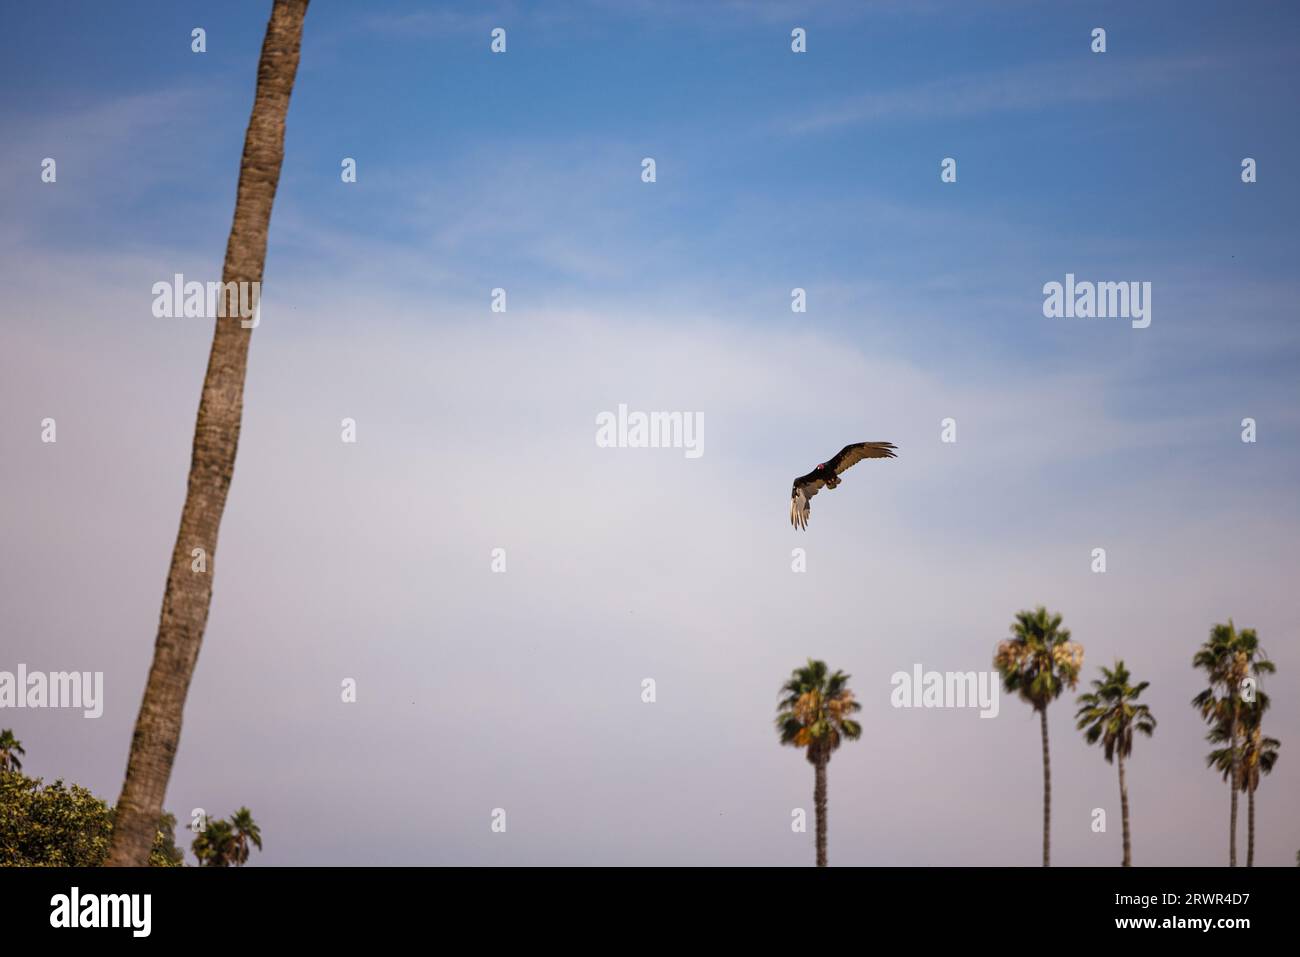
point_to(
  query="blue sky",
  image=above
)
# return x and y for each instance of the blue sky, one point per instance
(775, 170)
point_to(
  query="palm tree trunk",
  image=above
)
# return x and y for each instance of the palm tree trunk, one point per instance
(1250, 826)
(216, 437)
(1047, 794)
(1236, 783)
(819, 802)
(1123, 811)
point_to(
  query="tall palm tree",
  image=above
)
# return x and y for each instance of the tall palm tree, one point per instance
(814, 714)
(10, 748)
(188, 593)
(1110, 713)
(1257, 755)
(1228, 657)
(1038, 662)
(246, 831)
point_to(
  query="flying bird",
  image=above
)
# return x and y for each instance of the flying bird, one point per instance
(828, 474)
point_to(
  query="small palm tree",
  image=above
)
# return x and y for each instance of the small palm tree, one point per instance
(10, 748)
(216, 846)
(1228, 657)
(1260, 756)
(1038, 662)
(246, 831)
(1257, 755)
(814, 714)
(1110, 713)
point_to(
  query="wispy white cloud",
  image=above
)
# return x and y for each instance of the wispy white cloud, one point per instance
(1013, 89)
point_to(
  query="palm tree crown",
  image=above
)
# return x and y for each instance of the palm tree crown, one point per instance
(1111, 714)
(216, 846)
(1260, 757)
(246, 831)
(1039, 660)
(1228, 657)
(814, 710)
(1256, 753)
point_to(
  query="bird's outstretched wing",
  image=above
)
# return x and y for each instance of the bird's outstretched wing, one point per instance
(806, 486)
(799, 507)
(851, 455)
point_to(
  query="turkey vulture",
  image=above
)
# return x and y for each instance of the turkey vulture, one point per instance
(828, 474)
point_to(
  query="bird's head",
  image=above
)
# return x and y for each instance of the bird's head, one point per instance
(821, 466)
